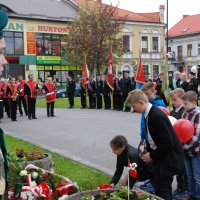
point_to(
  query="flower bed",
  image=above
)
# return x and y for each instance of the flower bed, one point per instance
(33, 156)
(113, 194)
(36, 183)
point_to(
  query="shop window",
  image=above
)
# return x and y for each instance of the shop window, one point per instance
(126, 43)
(180, 53)
(189, 50)
(48, 44)
(155, 44)
(14, 43)
(198, 49)
(144, 44)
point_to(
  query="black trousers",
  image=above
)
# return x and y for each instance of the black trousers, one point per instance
(92, 101)
(21, 101)
(6, 104)
(13, 109)
(31, 107)
(107, 101)
(71, 99)
(162, 185)
(50, 108)
(83, 101)
(127, 109)
(119, 102)
(99, 101)
(1, 108)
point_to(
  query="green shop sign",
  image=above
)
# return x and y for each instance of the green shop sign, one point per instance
(14, 27)
(48, 60)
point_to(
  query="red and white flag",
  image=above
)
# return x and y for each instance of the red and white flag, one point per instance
(110, 75)
(85, 74)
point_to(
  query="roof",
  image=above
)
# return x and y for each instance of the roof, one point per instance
(58, 10)
(153, 17)
(186, 26)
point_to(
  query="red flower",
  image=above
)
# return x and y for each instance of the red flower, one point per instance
(64, 188)
(104, 186)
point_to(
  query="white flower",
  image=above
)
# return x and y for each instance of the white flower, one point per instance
(33, 184)
(34, 175)
(23, 173)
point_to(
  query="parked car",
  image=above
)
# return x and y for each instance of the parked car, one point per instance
(62, 93)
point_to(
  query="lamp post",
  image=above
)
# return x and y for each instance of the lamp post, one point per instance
(167, 15)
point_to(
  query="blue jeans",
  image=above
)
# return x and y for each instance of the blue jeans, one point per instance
(192, 165)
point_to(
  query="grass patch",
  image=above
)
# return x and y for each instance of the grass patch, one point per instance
(86, 178)
(60, 103)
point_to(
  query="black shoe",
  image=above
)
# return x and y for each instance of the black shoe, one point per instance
(21, 114)
(48, 115)
(52, 115)
(29, 118)
(34, 117)
(14, 120)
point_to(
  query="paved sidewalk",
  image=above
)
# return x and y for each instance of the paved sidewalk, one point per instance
(81, 135)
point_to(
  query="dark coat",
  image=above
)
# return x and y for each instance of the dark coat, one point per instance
(93, 86)
(193, 85)
(130, 153)
(168, 156)
(184, 86)
(82, 90)
(177, 115)
(106, 89)
(118, 90)
(71, 86)
(99, 87)
(126, 85)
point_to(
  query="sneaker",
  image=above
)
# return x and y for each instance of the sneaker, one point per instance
(146, 185)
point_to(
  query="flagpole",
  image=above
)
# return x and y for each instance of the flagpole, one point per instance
(86, 89)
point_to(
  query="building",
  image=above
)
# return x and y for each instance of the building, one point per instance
(33, 38)
(34, 43)
(184, 43)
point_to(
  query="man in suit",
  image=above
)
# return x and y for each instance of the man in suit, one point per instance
(82, 93)
(92, 92)
(193, 84)
(147, 79)
(30, 94)
(99, 91)
(183, 83)
(161, 152)
(126, 88)
(107, 92)
(71, 86)
(176, 81)
(118, 92)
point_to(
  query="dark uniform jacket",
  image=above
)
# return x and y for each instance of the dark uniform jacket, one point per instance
(130, 153)
(92, 90)
(99, 87)
(71, 86)
(106, 89)
(133, 83)
(126, 85)
(184, 85)
(82, 90)
(159, 85)
(118, 85)
(168, 156)
(193, 85)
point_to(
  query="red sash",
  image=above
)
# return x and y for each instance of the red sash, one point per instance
(90, 87)
(13, 89)
(51, 95)
(21, 88)
(1, 92)
(32, 87)
(4, 91)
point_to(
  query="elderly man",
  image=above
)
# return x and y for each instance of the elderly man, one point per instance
(176, 80)
(183, 82)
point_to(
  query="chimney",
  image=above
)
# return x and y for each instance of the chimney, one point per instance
(162, 13)
(184, 16)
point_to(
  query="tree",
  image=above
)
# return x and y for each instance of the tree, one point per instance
(92, 35)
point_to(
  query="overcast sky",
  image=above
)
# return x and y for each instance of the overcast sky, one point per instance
(177, 8)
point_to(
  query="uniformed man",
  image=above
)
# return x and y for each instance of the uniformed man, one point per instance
(6, 103)
(118, 91)
(50, 90)
(12, 94)
(158, 81)
(133, 83)
(71, 86)
(147, 79)
(99, 91)
(193, 84)
(30, 94)
(83, 93)
(92, 92)
(21, 100)
(126, 88)
(107, 93)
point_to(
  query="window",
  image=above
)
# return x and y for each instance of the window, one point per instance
(48, 44)
(155, 44)
(126, 43)
(189, 50)
(145, 69)
(198, 49)
(180, 53)
(144, 44)
(14, 43)
(155, 69)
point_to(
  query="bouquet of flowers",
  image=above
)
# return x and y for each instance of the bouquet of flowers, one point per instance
(35, 183)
